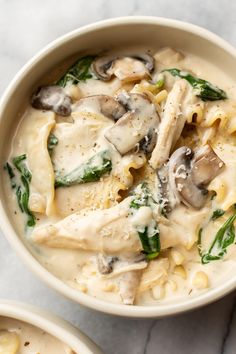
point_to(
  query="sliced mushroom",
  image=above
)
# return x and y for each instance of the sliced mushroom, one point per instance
(101, 65)
(171, 125)
(104, 104)
(126, 68)
(148, 143)
(189, 174)
(135, 124)
(52, 98)
(206, 166)
(147, 59)
(125, 264)
(181, 180)
(129, 70)
(105, 263)
(128, 269)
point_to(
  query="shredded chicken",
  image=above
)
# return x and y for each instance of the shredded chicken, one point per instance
(171, 125)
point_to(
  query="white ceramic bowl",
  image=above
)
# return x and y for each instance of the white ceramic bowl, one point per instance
(51, 324)
(100, 36)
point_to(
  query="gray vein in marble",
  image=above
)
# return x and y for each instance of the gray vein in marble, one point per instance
(148, 338)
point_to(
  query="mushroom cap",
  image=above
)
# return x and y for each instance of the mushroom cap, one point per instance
(105, 263)
(101, 65)
(111, 266)
(140, 119)
(52, 98)
(125, 67)
(147, 59)
(205, 166)
(181, 180)
(148, 143)
(190, 173)
(129, 69)
(105, 104)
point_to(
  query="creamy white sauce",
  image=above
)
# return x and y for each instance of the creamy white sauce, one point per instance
(83, 137)
(31, 339)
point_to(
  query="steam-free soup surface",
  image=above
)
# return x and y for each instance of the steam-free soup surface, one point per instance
(121, 176)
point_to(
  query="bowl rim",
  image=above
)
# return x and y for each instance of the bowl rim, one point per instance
(147, 311)
(50, 323)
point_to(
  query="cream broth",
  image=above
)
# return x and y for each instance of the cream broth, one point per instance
(18, 337)
(142, 227)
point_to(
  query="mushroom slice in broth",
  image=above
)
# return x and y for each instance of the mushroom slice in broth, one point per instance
(126, 68)
(106, 263)
(111, 266)
(181, 179)
(137, 123)
(104, 104)
(189, 174)
(147, 144)
(206, 166)
(52, 98)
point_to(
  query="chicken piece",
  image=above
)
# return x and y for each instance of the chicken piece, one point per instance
(171, 125)
(129, 283)
(109, 231)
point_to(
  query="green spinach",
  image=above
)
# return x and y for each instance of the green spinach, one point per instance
(204, 89)
(90, 171)
(22, 188)
(149, 234)
(217, 214)
(52, 142)
(79, 71)
(224, 237)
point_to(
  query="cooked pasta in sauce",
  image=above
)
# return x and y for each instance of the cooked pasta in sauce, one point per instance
(17, 337)
(122, 176)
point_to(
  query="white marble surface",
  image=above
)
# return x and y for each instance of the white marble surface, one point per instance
(25, 27)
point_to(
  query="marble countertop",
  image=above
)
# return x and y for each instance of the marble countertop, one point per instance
(26, 26)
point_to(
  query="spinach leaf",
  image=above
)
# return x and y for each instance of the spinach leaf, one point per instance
(22, 188)
(224, 237)
(21, 166)
(149, 234)
(150, 242)
(52, 142)
(11, 174)
(204, 89)
(79, 71)
(90, 171)
(217, 214)
(160, 81)
(142, 197)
